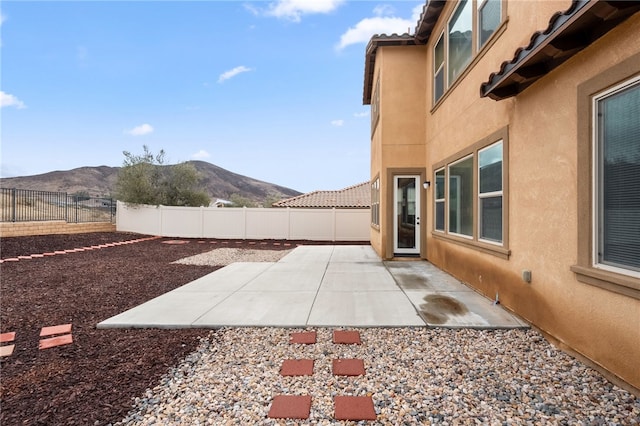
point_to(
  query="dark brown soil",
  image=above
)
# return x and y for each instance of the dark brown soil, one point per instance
(94, 379)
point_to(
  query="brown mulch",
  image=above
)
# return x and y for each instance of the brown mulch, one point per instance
(94, 379)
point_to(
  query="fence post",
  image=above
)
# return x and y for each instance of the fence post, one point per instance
(14, 205)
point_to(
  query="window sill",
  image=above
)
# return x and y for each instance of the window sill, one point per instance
(611, 281)
(491, 249)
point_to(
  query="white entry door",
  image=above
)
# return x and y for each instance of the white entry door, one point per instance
(406, 215)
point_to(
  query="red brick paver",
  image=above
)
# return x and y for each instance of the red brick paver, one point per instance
(297, 367)
(304, 338)
(290, 407)
(354, 408)
(6, 350)
(8, 337)
(56, 329)
(55, 341)
(348, 367)
(346, 337)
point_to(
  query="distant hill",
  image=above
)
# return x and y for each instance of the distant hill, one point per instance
(101, 181)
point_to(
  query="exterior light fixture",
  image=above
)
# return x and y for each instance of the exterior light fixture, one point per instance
(426, 184)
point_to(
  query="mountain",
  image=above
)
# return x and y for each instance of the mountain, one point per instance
(101, 182)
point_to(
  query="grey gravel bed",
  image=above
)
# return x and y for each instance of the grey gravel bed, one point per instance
(414, 376)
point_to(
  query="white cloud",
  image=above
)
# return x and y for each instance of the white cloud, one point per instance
(379, 24)
(232, 73)
(143, 129)
(337, 123)
(294, 9)
(383, 10)
(200, 155)
(7, 100)
(361, 114)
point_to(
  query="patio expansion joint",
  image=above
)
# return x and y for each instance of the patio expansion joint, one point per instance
(315, 297)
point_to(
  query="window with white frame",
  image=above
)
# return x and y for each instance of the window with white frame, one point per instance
(461, 197)
(490, 193)
(375, 202)
(438, 69)
(470, 200)
(616, 189)
(489, 18)
(439, 197)
(460, 40)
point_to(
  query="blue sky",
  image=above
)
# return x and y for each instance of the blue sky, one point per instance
(267, 89)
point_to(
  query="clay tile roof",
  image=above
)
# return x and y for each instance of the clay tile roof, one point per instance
(430, 13)
(380, 40)
(356, 196)
(568, 32)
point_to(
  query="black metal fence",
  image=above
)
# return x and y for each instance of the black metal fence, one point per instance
(26, 205)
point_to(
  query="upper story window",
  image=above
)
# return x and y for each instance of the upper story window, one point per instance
(438, 69)
(489, 18)
(375, 105)
(461, 39)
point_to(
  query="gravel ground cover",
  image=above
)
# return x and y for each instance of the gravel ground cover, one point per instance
(414, 376)
(229, 376)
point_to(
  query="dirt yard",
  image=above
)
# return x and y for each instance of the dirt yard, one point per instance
(94, 379)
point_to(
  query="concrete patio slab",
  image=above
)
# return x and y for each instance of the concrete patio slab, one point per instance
(321, 286)
(363, 309)
(260, 309)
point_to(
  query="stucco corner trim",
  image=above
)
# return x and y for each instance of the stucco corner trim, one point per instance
(627, 286)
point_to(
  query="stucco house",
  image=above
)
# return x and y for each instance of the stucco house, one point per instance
(505, 149)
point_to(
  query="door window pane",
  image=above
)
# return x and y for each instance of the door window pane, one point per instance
(460, 36)
(406, 211)
(461, 197)
(618, 191)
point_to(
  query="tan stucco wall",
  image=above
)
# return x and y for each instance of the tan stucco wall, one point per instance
(399, 139)
(544, 210)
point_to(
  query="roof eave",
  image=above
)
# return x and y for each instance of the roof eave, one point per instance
(568, 33)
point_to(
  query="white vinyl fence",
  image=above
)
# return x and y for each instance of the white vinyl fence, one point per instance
(245, 223)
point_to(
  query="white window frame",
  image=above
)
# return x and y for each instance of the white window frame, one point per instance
(479, 5)
(597, 179)
(440, 200)
(448, 204)
(491, 195)
(442, 69)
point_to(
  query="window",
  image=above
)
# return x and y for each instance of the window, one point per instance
(470, 196)
(490, 193)
(459, 39)
(607, 176)
(489, 18)
(616, 188)
(439, 200)
(438, 69)
(375, 105)
(461, 197)
(375, 202)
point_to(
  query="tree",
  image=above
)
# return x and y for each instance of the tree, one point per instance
(144, 179)
(238, 200)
